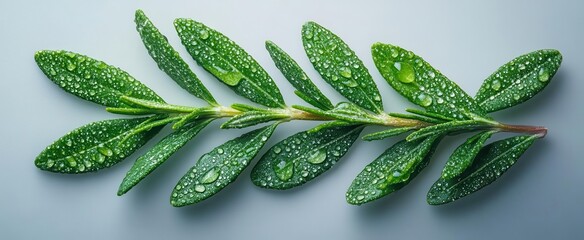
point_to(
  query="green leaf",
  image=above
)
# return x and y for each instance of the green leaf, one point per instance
(423, 85)
(518, 80)
(298, 78)
(251, 118)
(91, 79)
(94, 146)
(229, 63)
(464, 155)
(303, 156)
(491, 162)
(392, 170)
(148, 162)
(448, 127)
(340, 67)
(169, 60)
(218, 168)
(387, 133)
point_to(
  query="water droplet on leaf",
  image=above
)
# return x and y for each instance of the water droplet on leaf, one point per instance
(210, 176)
(317, 157)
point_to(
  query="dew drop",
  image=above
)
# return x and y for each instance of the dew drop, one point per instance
(516, 96)
(394, 53)
(496, 85)
(521, 67)
(100, 158)
(284, 170)
(50, 163)
(431, 74)
(220, 150)
(424, 100)
(317, 157)
(543, 75)
(277, 150)
(351, 83)
(304, 174)
(203, 34)
(71, 161)
(210, 176)
(406, 72)
(105, 151)
(360, 197)
(264, 138)
(345, 72)
(71, 66)
(199, 188)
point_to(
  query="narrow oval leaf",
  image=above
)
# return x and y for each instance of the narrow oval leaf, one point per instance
(387, 133)
(94, 146)
(303, 156)
(420, 83)
(448, 127)
(148, 162)
(518, 80)
(491, 162)
(251, 118)
(464, 155)
(340, 67)
(392, 170)
(218, 168)
(169, 60)
(298, 78)
(91, 79)
(229, 63)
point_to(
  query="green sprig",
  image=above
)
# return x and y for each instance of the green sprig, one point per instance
(447, 110)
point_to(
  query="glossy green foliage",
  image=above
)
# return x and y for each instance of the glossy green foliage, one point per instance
(91, 79)
(518, 80)
(423, 85)
(340, 67)
(490, 163)
(298, 78)
(218, 168)
(303, 156)
(229, 63)
(148, 162)
(168, 59)
(94, 146)
(392, 170)
(464, 155)
(447, 110)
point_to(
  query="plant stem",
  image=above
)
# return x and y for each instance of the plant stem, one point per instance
(149, 107)
(536, 130)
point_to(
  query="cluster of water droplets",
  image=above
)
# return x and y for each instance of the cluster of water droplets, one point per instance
(415, 79)
(303, 156)
(340, 67)
(518, 80)
(91, 79)
(218, 168)
(494, 160)
(91, 147)
(228, 62)
(296, 76)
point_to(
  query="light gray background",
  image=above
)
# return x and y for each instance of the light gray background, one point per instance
(540, 197)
